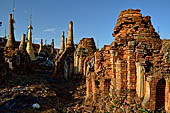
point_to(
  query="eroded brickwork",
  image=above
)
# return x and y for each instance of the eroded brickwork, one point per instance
(134, 62)
(86, 47)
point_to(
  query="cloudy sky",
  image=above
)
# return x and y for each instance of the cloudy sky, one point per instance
(91, 18)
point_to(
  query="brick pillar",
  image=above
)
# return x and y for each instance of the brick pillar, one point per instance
(120, 77)
(113, 78)
(152, 95)
(88, 88)
(93, 86)
(80, 65)
(131, 72)
(84, 69)
(167, 96)
(147, 96)
(102, 86)
(140, 71)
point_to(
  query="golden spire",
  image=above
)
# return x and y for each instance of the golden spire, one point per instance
(30, 49)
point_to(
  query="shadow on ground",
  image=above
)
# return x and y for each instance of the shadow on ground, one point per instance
(19, 92)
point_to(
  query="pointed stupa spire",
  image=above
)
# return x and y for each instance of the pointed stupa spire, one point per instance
(62, 43)
(11, 39)
(13, 10)
(29, 42)
(52, 46)
(22, 46)
(41, 46)
(70, 36)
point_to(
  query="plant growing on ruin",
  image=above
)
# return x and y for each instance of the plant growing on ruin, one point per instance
(120, 104)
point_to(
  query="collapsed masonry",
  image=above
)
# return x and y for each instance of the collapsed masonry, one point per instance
(137, 60)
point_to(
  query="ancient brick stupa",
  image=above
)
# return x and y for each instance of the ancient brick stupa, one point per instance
(11, 38)
(22, 46)
(70, 36)
(62, 43)
(137, 61)
(65, 60)
(16, 57)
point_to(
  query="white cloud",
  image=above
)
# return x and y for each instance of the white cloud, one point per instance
(50, 30)
(58, 47)
(36, 38)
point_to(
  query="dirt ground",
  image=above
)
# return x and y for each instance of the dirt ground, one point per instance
(18, 93)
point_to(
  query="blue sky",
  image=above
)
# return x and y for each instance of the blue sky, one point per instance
(91, 18)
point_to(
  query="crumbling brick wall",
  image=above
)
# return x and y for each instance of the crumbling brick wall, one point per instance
(86, 47)
(64, 64)
(135, 60)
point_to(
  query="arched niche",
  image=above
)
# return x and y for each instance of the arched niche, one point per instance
(160, 94)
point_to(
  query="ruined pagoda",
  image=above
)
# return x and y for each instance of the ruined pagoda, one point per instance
(69, 42)
(29, 42)
(64, 62)
(11, 38)
(62, 43)
(22, 46)
(41, 46)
